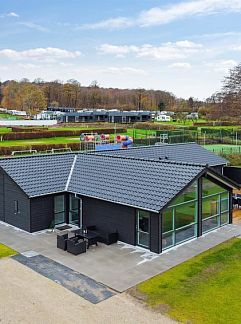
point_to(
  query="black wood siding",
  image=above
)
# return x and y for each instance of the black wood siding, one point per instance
(42, 212)
(155, 233)
(9, 193)
(110, 217)
(2, 217)
(233, 173)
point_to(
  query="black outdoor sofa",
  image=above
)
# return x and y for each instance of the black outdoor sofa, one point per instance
(76, 245)
(104, 237)
(72, 245)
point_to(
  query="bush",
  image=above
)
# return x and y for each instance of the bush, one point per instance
(234, 159)
(63, 133)
(28, 129)
(152, 126)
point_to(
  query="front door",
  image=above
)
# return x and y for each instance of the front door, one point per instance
(59, 209)
(75, 210)
(143, 228)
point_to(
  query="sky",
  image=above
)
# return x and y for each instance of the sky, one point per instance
(185, 47)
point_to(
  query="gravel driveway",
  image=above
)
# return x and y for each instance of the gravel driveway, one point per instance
(27, 297)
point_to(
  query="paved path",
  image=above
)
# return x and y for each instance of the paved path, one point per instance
(27, 297)
(118, 266)
(81, 285)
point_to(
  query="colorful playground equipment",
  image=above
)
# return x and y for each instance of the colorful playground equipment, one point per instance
(125, 140)
(94, 141)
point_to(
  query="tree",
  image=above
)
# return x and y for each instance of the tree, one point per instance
(33, 99)
(191, 104)
(94, 84)
(72, 94)
(161, 105)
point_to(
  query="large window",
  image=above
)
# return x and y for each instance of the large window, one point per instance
(143, 228)
(179, 221)
(59, 209)
(75, 210)
(215, 205)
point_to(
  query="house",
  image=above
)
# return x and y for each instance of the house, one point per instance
(101, 115)
(17, 112)
(154, 197)
(61, 109)
(163, 118)
(193, 115)
(48, 115)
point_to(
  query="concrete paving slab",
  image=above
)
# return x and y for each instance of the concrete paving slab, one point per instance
(118, 266)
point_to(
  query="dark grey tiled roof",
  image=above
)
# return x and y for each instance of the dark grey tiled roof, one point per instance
(39, 175)
(186, 152)
(139, 182)
(143, 184)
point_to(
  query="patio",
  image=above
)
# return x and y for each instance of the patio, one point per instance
(118, 266)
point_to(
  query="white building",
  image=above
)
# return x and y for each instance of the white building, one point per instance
(163, 118)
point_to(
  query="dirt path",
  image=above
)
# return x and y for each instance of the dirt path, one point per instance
(27, 297)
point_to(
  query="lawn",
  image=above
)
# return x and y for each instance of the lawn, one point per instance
(205, 289)
(6, 251)
(50, 140)
(223, 148)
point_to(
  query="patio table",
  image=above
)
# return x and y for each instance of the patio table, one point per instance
(91, 237)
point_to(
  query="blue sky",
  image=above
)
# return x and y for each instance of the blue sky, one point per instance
(185, 47)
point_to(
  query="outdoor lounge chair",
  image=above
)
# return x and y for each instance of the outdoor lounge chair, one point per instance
(76, 247)
(105, 237)
(62, 241)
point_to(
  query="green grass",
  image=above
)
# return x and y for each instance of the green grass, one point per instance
(224, 148)
(205, 289)
(6, 251)
(51, 140)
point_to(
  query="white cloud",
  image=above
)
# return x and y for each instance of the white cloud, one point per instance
(9, 14)
(12, 14)
(48, 53)
(166, 51)
(118, 50)
(168, 14)
(123, 70)
(113, 23)
(237, 48)
(180, 65)
(222, 66)
(159, 16)
(32, 25)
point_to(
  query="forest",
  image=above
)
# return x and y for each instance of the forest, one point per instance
(37, 95)
(34, 96)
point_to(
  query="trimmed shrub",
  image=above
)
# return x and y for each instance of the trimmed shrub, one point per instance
(152, 126)
(62, 133)
(28, 129)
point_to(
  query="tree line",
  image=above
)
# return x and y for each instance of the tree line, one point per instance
(226, 103)
(37, 95)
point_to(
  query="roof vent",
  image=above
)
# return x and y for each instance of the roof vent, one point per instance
(165, 158)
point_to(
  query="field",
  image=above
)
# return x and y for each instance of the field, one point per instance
(224, 148)
(205, 289)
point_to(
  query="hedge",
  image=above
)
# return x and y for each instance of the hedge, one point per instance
(63, 133)
(28, 129)
(152, 126)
